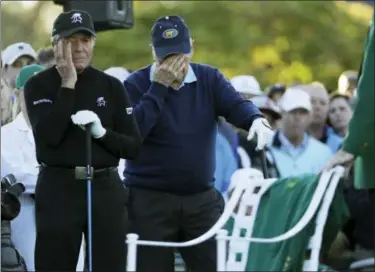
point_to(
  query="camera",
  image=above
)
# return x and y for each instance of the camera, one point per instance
(11, 190)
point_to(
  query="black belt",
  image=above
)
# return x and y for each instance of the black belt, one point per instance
(80, 172)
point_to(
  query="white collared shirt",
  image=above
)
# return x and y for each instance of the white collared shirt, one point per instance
(310, 157)
(18, 153)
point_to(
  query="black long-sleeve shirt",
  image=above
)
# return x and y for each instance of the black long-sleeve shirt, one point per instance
(61, 143)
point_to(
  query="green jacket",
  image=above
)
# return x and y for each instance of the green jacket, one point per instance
(360, 138)
(281, 207)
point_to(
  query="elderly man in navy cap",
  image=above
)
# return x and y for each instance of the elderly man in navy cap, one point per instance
(177, 104)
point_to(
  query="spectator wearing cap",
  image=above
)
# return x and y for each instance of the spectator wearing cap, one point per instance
(293, 151)
(320, 107)
(177, 104)
(14, 57)
(275, 92)
(270, 110)
(46, 57)
(247, 85)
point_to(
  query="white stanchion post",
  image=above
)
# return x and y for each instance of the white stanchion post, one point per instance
(131, 240)
(221, 247)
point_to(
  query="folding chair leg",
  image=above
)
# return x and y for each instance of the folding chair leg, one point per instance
(131, 264)
(221, 250)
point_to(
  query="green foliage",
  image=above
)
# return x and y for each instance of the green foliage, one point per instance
(283, 41)
(276, 41)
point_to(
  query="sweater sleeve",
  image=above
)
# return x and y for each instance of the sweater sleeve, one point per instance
(230, 104)
(49, 112)
(147, 104)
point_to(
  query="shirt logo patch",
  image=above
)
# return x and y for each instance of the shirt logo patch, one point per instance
(129, 110)
(170, 33)
(40, 101)
(100, 102)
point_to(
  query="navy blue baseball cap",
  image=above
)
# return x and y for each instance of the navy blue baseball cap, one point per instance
(170, 35)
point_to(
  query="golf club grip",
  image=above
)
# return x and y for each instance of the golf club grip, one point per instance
(264, 163)
(88, 145)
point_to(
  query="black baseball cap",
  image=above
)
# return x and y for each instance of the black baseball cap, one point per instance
(276, 88)
(170, 35)
(73, 21)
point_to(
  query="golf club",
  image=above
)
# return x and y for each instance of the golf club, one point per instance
(89, 176)
(264, 163)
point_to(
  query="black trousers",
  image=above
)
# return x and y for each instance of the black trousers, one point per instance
(161, 216)
(61, 218)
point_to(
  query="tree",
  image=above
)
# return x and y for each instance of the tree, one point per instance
(27, 25)
(275, 41)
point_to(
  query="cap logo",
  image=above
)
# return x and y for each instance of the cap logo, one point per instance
(170, 33)
(76, 18)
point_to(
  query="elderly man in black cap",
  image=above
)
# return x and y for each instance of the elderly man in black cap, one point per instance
(171, 184)
(61, 101)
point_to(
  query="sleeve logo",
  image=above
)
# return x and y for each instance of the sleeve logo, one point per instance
(129, 110)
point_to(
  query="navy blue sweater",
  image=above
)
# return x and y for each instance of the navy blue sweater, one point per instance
(179, 128)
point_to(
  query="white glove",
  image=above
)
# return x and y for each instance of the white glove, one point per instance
(85, 117)
(263, 130)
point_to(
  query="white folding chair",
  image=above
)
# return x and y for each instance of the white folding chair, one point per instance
(249, 188)
(238, 245)
(244, 157)
(362, 264)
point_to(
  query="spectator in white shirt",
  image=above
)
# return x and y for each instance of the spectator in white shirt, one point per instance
(293, 151)
(18, 158)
